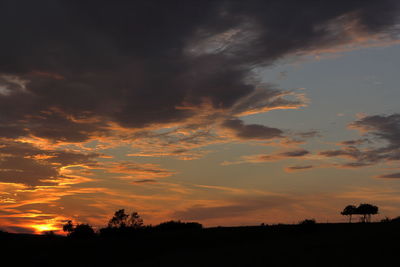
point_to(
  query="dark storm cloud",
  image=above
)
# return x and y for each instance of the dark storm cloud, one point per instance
(251, 131)
(135, 62)
(378, 129)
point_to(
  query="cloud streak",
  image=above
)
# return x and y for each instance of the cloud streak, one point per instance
(260, 158)
(381, 137)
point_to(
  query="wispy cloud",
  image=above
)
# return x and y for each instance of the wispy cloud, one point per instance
(290, 154)
(380, 144)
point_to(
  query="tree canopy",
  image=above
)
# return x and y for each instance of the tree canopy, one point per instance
(366, 210)
(349, 210)
(121, 220)
(79, 230)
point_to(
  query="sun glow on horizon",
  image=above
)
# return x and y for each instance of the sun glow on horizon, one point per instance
(41, 228)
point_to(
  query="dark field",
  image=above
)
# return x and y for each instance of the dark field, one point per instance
(357, 244)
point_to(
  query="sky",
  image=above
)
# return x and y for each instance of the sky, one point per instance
(220, 112)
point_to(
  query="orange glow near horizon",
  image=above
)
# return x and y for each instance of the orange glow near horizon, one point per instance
(41, 228)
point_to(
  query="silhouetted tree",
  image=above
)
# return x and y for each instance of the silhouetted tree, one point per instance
(349, 210)
(121, 220)
(68, 227)
(366, 210)
(135, 221)
(78, 231)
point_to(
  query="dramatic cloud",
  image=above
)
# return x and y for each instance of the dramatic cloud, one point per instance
(26, 164)
(383, 127)
(69, 69)
(381, 142)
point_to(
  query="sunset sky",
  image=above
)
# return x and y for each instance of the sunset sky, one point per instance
(220, 112)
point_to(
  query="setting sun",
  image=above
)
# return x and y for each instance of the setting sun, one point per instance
(40, 228)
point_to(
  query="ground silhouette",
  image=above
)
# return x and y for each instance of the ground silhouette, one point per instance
(177, 243)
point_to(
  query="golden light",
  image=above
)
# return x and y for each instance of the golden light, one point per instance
(40, 228)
